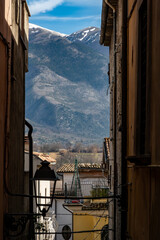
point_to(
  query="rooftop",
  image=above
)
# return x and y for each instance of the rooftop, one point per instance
(107, 143)
(70, 167)
(107, 22)
(44, 156)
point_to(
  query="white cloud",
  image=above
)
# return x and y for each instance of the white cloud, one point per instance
(84, 2)
(52, 18)
(40, 6)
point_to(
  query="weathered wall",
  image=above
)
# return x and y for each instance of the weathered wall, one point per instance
(67, 178)
(132, 78)
(115, 168)
(12, 95)
(154, 204)
(4, 77)
(143, 190)
(119, 58)
(143, 180)
(155, 84)
(87, 222)
(139, 203)
(63, 217)
(17, 111)
(143, 203)
(3, 90)
(111, 157)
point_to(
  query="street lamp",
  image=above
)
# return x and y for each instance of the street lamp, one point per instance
(44, 185)
(44, 178)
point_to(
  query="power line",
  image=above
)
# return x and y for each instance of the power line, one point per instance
(85, 231)
(82, 214)
(64, 224)
(95, 225)
(97, 236)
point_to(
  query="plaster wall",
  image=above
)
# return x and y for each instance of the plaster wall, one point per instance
(63, 217)
(67, 178)
(88, 222)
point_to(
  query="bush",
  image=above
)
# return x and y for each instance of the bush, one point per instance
(99, 192)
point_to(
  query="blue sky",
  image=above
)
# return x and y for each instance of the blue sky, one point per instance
(65, 16)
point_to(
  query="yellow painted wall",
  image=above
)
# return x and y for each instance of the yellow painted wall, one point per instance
(87, 222)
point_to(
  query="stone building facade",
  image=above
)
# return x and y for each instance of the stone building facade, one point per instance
(13, 65)
(130, 29)
(112, 36)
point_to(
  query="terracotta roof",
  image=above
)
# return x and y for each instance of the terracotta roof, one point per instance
(107, 143)
(69, 167)
(44, 156)
(26, 139)
(106, 152)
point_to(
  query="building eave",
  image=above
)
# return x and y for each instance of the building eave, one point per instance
(27, 8)
(107, 23)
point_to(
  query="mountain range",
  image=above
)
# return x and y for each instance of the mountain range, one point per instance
(66, 86)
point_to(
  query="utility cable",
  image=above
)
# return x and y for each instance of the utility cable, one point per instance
(95, 225)
(85, 231)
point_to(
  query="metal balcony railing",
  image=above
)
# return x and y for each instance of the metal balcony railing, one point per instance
(87, 188)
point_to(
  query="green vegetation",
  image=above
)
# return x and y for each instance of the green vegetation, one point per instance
(99, 192)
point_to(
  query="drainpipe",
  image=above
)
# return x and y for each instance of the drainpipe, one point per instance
(31, 227)
(30, 164)
(115, 111)
(109, 4)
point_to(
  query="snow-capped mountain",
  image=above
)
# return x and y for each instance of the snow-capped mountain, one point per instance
(66, 86)
(35, 29)
(89, 36)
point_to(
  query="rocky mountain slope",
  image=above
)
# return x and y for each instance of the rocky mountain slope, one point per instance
(90, 37)
(66, 86)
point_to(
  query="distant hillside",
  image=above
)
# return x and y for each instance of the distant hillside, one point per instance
(66, 86)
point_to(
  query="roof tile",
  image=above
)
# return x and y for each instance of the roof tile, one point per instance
(69, 167)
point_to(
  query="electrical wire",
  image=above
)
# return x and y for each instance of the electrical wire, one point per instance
(85, 231)
(82, 214)
(97, 236)
(87, 214)
(64, 224)
(95, 225)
